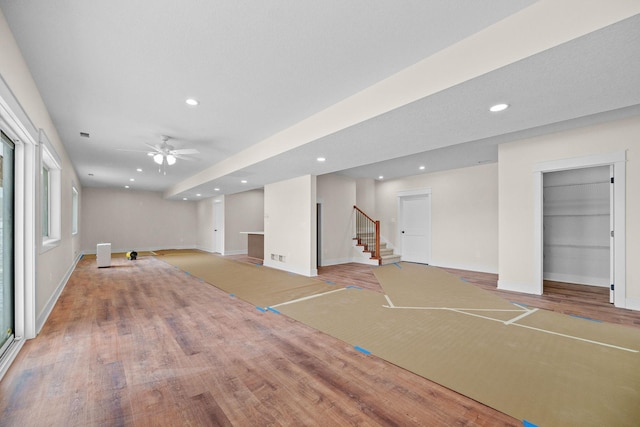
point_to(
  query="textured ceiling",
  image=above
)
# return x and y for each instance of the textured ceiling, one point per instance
(121, 71)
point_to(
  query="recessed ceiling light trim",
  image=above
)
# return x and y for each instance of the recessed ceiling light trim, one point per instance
(498, 107)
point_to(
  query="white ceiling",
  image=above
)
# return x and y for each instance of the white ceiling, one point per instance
(121, 71)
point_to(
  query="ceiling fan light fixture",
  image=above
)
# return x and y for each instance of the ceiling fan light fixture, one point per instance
(171, 160)
(158, 158)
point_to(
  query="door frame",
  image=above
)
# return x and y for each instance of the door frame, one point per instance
(618, 162)
(19, 128)
(218, 225)
(411, 193)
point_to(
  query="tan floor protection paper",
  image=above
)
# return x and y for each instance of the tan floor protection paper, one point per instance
(258, 285)
(547, 368)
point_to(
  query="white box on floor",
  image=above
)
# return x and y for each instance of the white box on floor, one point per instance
(103, 254)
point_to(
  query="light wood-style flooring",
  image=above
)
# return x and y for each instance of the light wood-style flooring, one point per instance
(144, 344)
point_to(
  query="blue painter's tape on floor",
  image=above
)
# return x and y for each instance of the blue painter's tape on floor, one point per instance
(526, 423)
(258, 265)
(261, 309)
(585, 318)
(273, 310)
(187, 273)
(232, 295)
(329, 282)
(362, 350)
(353, 287)
(521, 304)
(397, 264)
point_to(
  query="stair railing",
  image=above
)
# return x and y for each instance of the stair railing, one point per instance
(368, 233)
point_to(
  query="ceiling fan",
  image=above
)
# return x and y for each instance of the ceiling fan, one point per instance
(164, 154)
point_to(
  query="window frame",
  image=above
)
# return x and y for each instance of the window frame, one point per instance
(50, 161)
(75, 210)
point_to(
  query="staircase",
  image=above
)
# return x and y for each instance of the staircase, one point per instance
(387, 256)
(367, 240)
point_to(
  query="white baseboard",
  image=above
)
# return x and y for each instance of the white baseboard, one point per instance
(632, 304)
(235, 252)
(46, 311)
(335, 261)
(291, 269)
(516, 287)
(144, 249)
(466, 267)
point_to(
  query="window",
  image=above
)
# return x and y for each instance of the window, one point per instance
(74, 210)
(50, 197)
(46, 199)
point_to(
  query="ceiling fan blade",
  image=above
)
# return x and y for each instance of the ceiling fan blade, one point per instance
(153, 147)
(185, 151)
(182, 157)
(133, 151)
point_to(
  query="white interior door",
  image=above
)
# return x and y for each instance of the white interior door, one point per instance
(218, 228)
(415, 228)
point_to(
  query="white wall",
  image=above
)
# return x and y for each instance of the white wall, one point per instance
(136, 220)
(53, 266)
(290, 225)
(242, 212)
(464, 215)
(366, 196)
(337, 196)
(516, 207)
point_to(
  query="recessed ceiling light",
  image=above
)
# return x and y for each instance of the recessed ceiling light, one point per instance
(184, 198)
(192, 102)
(321, 159)
(216, 189)
(244, 181)
(198, 195)
(498, 107)
(132, 179)
(138, 170)
(421, 168)
(126, 186)
(381, 177)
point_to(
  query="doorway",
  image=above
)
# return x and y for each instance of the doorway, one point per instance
(577, 222)
(7, 282)
(318, 235)
(616, 161)
(414, 226)
(218, 227)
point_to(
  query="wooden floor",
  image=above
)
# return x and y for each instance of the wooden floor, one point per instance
(144, 344)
